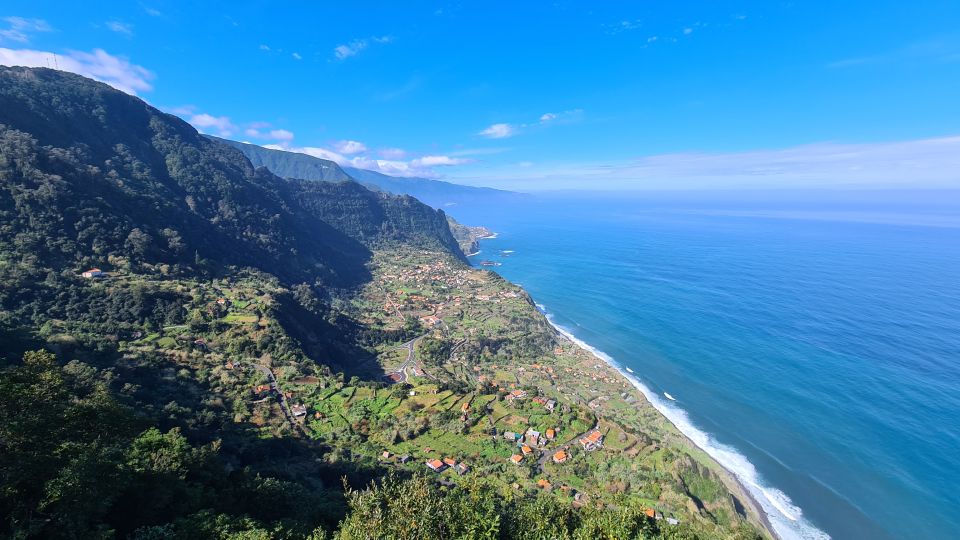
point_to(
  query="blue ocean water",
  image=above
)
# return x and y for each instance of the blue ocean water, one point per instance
(811, 340)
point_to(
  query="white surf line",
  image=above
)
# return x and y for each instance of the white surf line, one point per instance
(785, 517)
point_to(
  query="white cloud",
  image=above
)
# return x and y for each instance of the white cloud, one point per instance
(204, 123)
(296, 56)
(281, 135)
(120, 27)
(439, 161)
(19, 28)
(419, 167)
(346, 50)
(350, 147)
(116, 71)
(687, 31)
(342, 52)
(264, 47)
(499, 131)
(392, 153)
(251, 132)
(563, 116)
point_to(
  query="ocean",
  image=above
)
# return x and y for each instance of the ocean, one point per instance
(811, 340)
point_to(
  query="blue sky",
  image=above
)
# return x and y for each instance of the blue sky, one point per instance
(535, 96)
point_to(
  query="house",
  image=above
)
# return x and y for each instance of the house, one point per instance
(592, 441)
(526, 450)
(465, 407)
(299, 409)
(385, 455)
(516, 394)
(403, 459)
(560, 456)
(516, 459)
(510, 436)
(221, 301)
(430, 320)
(532, 436)
(651, 513)
(463, 468)
(449, 462)
(543, 483)
(436, 465)
(93, 273)
(550, 405)
(551, 434)
(260, 388)
(673, 521)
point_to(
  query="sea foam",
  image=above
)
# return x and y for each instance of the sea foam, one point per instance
(785, 517)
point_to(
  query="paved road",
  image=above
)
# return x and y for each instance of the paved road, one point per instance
(411, 361)
(284, 406)
(565, 446)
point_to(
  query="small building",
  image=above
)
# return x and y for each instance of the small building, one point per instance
(221, 301)
(261, 388)
(449, 462)
(516, 458)
(299, 409)
(592, 441)
(436, 465)
(551, 434)
(550, 405)
(651, 513)
(526, 450)
(462, 468)
(94, 273)
(560, 456)
(510, 436)
(673, 521)
(465, 407)
(543, 483)
(532, 436)
(386, 455)
(403, 459)
(516, 394)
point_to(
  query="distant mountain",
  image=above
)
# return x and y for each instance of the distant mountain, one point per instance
(289, 164)
(435, 193)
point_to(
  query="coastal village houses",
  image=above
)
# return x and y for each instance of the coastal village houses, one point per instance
(592, 441)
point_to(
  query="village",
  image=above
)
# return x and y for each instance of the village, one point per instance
(480, 387)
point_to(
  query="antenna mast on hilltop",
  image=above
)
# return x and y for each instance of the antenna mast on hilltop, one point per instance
(55, 64)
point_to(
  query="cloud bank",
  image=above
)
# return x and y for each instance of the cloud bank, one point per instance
(925, 163)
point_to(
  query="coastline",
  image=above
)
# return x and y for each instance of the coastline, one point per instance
(737, 472)
(731, 479)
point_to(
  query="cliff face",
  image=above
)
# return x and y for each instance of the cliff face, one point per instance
(468, 237)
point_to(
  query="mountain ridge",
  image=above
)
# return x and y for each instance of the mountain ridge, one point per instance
(436, 193)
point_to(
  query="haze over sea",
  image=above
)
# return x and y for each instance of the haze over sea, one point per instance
(816, 334)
